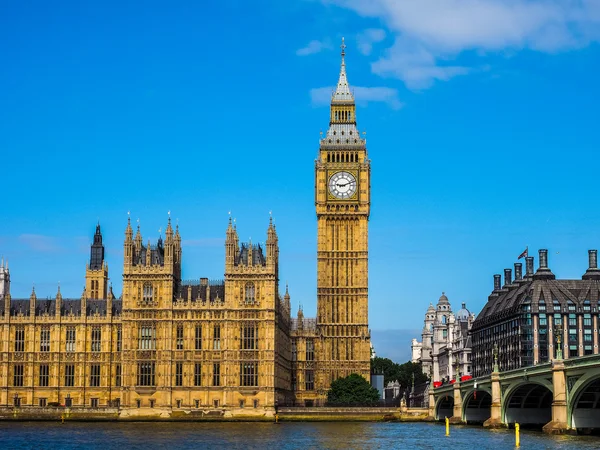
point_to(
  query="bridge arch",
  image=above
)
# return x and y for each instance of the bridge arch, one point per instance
(444, 407)
(584, 403)
(528, 403)
(477, 405)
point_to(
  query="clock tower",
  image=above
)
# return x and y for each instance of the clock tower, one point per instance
(342, 200)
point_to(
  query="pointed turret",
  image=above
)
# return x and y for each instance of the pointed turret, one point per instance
(342, 91)
(4, 279)
(286, 300)
(128, 245)
(97, 250)
(272, 245)
(58, 302)
(300, 318)
(32, 302)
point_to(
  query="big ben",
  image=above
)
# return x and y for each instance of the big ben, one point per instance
(342, 200)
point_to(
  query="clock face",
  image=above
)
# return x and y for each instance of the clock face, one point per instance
(342, 185)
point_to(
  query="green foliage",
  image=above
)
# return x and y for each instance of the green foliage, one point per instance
(402, 372)
(352, 390)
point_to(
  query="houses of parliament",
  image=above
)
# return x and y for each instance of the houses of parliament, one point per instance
(230, 345)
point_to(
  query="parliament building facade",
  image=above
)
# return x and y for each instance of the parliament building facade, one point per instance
(230, 345)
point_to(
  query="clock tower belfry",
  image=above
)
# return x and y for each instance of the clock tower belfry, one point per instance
(342, 200)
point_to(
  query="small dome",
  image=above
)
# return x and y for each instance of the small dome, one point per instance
(463, 313)
(443, 299)
(431, 309)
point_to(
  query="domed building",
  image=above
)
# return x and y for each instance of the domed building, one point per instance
(445, 346)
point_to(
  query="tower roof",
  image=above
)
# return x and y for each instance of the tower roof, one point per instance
(342, 92)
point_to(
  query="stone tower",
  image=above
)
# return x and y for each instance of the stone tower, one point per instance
(96, 273)
(342, 198)
(4, 279)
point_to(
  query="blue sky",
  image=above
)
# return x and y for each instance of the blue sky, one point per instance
(481, 120)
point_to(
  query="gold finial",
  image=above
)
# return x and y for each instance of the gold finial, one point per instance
(343, 47)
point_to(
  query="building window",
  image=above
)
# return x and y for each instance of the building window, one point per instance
(250, 293)
(179, 344)
(68, 401)
(151, 403)
(198, 339)
(70, 375)
(255, 403)
(197, 403)
(42, 402)
(118, 375)
(17, 402)
(444, 334)
(587, 320)
(216, 374)
(178, 403)
(95, 375)
(18, 375)
(178, 374)
(146, 374)
(571, 306)
(309, 380)
(70, 340)
(216, 403)
(197, 374)
(294, 351)
(138, 403)
(119, 339)
(249, 374)
(293, 382)
(587, 307)
(147, 337)
(572, 320)
(44, 375)
(45, 339)
(557, 319)
(241, 403)
(20, 339)
(96, 339)
(217, 337)
(250, 336)
(310, 350)
(94, 402)
(556, 305)
(147, 298)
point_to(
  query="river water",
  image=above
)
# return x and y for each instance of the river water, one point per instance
(350, 435)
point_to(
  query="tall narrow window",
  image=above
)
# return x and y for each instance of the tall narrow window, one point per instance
(45, 339)
(179, 337)
(147, 298)
(119, 339)
(198, 374)
(198, 337)
(70, 339)
(147, 337)
(178, 374)
(250, 336)
(146, 374)
(118, 375)
(96, 339)
(44, 375)
(309, 380)
(20, 339)
(250, 294)
(294, 351)
(70, 375)
(249, 374)
(216, 374)
(95, 375)
(310, 350)
(18, 375)
(217, 337)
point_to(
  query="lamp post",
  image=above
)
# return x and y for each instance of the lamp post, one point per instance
(496, 368)
(558, 331)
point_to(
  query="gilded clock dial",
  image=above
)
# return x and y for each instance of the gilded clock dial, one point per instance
(342, 185)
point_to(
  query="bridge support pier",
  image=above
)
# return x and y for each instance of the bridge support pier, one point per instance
(558, 425)
(431, 403)
(495, 420)
(457, 410)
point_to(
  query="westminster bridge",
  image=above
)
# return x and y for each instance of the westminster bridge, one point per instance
(560, 396)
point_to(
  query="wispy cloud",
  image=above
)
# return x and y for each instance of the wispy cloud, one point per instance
(40, 243)
(363, 95)
(430, 33)
(313, 47)
(367, 38)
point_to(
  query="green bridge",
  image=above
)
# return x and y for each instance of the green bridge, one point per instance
(560, 396)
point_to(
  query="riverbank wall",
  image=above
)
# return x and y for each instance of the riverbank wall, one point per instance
(287, 414)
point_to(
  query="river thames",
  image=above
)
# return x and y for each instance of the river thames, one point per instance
(78, 435)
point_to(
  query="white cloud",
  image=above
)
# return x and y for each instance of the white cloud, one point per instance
(428, 32)
(363, 95)
(313, 46)
(367, 38)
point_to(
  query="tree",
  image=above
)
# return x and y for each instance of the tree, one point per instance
(352, 390)
(401, 372)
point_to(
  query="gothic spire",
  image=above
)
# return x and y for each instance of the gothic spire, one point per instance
(342, 92)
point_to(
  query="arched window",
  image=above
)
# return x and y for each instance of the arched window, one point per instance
(147, 292)
(250, 293)
(444, 319)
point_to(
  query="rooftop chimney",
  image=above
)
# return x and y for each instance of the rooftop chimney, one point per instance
(593, 273)
(507, 277)
(529, 266)
(497, 282)
(518, 271)
(543, 272)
